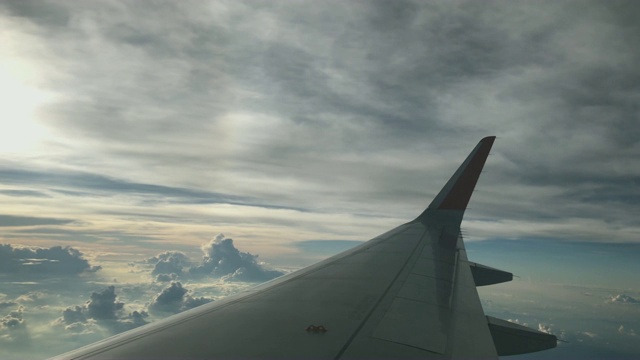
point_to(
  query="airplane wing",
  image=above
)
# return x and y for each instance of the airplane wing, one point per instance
(410, 292)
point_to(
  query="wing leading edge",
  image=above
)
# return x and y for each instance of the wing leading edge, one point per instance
(410, 292)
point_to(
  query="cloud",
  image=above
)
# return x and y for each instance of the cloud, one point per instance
(629, 332)
(24, 193)
(103, 309)
(13, 329)
(544, 328)
(103, 305)
(13, 320)
(13, 220)
(6, 304)
(50, 261)
(74, 314)
(175, 298)
(170, 262)
(623, 299)
(222, 259)
(166, 277)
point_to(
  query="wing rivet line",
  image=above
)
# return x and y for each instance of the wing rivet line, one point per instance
(316, 329)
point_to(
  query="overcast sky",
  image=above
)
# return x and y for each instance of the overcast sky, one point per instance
(129, 128)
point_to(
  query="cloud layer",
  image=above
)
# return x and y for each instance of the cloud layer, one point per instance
(56, 260)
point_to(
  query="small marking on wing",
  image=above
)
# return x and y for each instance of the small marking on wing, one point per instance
(316, 329)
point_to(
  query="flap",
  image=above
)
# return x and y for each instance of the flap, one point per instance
(514, 339)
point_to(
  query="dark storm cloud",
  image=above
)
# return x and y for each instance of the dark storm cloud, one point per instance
(56, 260)
(176, 298)
(221, 258)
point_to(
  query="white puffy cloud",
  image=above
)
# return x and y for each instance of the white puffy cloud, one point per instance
(221, 258)
(544, 328)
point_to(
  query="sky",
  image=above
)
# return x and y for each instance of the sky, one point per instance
(134, 134)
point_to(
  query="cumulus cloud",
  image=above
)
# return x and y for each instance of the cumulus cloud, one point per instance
(13, 320)
(175, 298)
(104, 309)
(221, 258)
(165, 277)
(13, 328)
(56, 260)
(169, 262)
(103, 305)
(623, 299)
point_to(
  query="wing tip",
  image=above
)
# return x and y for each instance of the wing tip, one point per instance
(456, 193)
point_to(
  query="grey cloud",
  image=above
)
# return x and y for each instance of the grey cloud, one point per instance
(351, 82)
(102, 309)
(170, 262)
(166, 277)
(13, 320)
(14, 220)
(46, 12)
(97, 185)
(24, 193)
(175, 298)
(55, 260)
(170, 299)
(74, 314)
(6, 304)
(103, 305)
(13, 330)
(221, 258)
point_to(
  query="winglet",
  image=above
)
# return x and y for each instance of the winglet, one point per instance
(456, 193)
